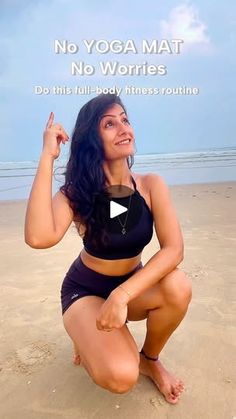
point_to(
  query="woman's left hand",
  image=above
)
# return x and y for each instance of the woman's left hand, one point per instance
(113, 313)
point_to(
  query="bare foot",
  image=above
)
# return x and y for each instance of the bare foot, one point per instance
(167, 384)
(76, 357)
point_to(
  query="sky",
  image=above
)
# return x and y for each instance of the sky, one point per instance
(162, 123)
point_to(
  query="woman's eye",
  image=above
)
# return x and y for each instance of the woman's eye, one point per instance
(109, 122)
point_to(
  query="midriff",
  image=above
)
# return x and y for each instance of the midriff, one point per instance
(110, 267)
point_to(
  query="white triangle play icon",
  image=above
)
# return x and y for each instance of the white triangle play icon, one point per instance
(116, 209)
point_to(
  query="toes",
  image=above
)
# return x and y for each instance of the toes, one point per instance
(181, 386)
(172, 398)
(176, 391)
(177, 388)
(77, 360)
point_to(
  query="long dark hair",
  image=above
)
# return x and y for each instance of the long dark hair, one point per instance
(84, 184)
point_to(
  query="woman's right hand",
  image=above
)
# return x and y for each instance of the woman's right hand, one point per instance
(53, 136)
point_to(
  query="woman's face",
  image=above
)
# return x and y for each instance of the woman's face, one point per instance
(114, 127)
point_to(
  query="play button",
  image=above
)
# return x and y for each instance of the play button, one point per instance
(116, 209)
(125, 209)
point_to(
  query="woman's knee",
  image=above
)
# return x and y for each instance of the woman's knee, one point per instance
(178, 289)
(118, 377)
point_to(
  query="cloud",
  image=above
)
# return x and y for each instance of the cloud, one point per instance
(184, 23)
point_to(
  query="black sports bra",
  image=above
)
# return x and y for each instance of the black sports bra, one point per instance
(138, 230)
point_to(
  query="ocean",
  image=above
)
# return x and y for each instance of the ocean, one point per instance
(208, 166)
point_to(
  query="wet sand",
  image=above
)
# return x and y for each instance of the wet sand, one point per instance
(37, 376)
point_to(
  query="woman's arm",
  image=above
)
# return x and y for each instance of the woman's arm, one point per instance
(41, 231)
(39, 221)
(47, 219)
(171, 242)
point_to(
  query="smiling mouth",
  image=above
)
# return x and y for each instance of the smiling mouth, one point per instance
(124, 142)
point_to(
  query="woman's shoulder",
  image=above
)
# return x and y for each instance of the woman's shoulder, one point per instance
(147, 180)
(144, 184)
(151, 185)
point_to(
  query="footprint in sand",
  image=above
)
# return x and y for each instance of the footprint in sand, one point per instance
(30, 358)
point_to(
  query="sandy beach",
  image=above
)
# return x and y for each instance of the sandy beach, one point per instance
(38, 378)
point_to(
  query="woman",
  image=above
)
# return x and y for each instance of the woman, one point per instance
(107, 284)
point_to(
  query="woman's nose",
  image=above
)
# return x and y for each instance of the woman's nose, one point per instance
(122, 128)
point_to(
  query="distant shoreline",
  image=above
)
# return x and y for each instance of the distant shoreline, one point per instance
(210, 166)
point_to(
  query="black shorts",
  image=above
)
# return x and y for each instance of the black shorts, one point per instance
(81, 281)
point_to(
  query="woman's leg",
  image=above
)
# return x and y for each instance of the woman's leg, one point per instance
(110, 358)
(164, 305)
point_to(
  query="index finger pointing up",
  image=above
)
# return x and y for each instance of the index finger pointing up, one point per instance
(50, 120)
